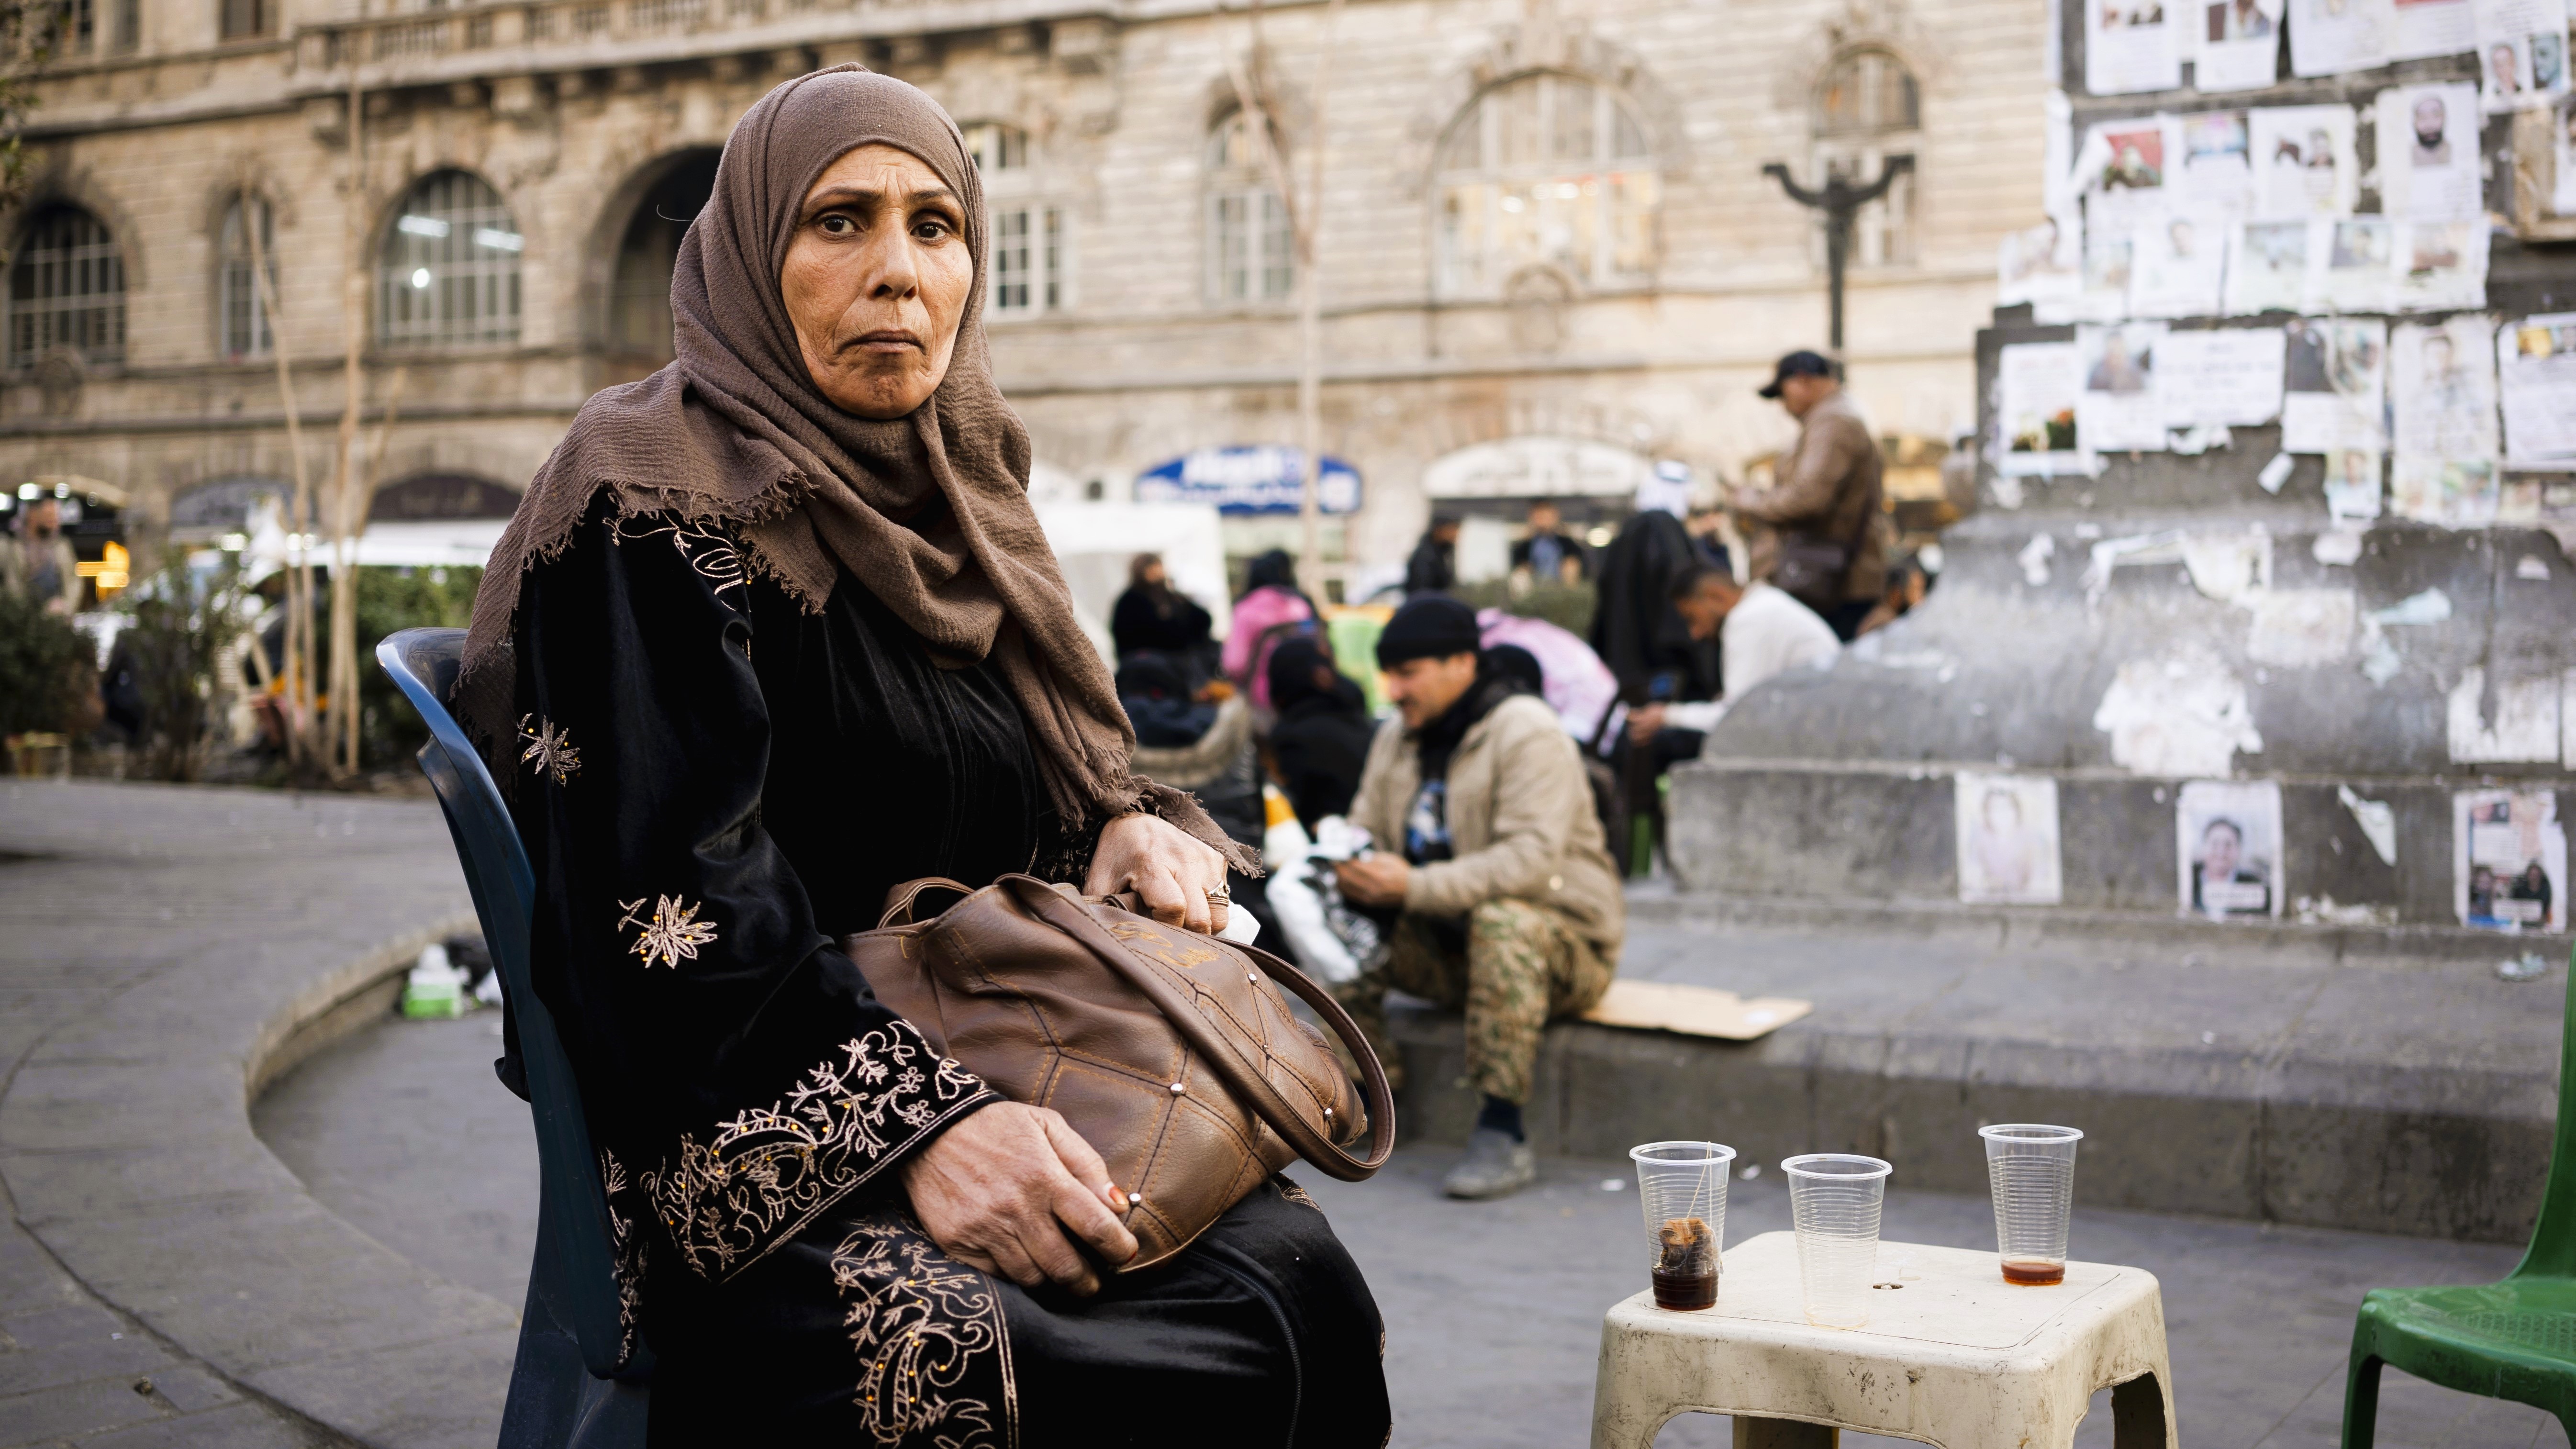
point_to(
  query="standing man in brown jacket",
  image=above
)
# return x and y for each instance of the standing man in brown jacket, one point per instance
(1821, 541)
(1489, 850)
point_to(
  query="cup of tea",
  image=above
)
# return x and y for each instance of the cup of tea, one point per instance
(1682, 1186)
(2031, 1170)
(1834, 1202)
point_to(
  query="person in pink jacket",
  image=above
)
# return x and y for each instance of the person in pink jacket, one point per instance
(1273, 599)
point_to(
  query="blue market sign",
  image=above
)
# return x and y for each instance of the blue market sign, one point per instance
(1264, 478)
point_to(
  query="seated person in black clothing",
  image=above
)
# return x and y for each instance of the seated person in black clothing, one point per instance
(1152, 615)
(1551, 555)
(1322, 736)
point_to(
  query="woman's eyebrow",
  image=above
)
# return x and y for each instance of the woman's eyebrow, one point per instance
(848, 191)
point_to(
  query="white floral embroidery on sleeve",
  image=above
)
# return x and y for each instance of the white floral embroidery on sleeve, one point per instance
(673, 932)
(550, 749)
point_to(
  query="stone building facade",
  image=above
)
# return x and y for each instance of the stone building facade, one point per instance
(1544, 231)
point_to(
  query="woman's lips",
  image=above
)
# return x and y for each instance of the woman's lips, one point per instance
(887, 340)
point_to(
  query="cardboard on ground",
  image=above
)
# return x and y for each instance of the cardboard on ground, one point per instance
(1694, 1010)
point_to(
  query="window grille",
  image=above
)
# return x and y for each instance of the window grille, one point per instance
(243, 325)
(1546, 171)
(1251, 248)
(449, 271)
(66, 289)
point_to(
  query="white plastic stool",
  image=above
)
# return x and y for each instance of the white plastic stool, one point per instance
(1952, 1355)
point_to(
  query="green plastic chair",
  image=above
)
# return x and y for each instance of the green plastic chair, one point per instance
(2510, 1340)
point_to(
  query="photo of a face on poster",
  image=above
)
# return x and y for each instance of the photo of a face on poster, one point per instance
(2352, 483)
(2522, 52)
(2130, 46)
(2536, 375)
(2442, 389)
(2042, 264)
(2336, 376)
(2239, 40)
(2119, 407)
(2008, 852)
(2357, 264)
(2428, 144)
(2178, 262)
(2304, 162)
(2267, 268)
(2509, 859)
(2228, 841)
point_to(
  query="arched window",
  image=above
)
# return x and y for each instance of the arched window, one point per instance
(639, 301)
(66, 289)
(242, 325)
(1867, 110)
(1251, 251)
(449, 274)
(1032, 254)
(1545, 170)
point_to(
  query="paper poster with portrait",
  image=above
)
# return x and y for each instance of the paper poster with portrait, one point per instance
(2452, 492)
(2428, 28)
(2438, 266)
(2227, 839)
(2562, 130)
(2043, 265)
(2037, 385)
(2536, 381)
(2332, 37)
(2131, 46)
(2118, 408)
(2008, 850)
(2428, 153)
(2104, 296)
(2179, 264)
(2335, 385)
(2224, 377)
(2353, 484)
(2125, 165)
(2268, 265)
(2509, 860)
(2359, 253)
(2216, 177)
(2442, 389)
(2522, 52)
(2304, 162)
(2239, 44)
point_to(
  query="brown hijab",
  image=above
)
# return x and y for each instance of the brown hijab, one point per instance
(930, 512)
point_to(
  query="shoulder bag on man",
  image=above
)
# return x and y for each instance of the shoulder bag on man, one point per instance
(1172, 1053)
(1811, 569)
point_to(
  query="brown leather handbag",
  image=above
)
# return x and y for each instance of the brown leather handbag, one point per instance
(1172, 1053)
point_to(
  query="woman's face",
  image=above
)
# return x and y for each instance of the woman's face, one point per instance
(2219, 852)
(876, 281)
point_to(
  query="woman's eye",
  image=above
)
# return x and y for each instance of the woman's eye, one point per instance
(931, 228)
(836, 224)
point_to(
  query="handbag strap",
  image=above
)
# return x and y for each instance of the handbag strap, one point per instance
(1249, 1086)
(898, 906)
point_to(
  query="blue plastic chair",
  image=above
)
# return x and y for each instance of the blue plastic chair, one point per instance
(565, 1386)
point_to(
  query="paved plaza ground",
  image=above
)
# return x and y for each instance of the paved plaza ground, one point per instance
(167, 1278)
(1493, 1310)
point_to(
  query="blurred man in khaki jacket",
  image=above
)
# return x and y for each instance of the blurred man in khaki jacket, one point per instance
(1821, 542)
(1488, 848)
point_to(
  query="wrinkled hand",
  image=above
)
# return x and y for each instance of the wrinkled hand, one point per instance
(1374, 880)
(997, 1191)
(1644, 721)
(1170, 873)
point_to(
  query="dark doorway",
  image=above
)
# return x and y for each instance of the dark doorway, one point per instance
(639, 299)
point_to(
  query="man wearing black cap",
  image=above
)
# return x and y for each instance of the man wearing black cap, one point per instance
(1821, 542)
(1490, 853)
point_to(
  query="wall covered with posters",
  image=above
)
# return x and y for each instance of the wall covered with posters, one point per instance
(2278, 447)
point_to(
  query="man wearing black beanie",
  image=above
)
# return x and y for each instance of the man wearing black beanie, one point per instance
(1489, 852)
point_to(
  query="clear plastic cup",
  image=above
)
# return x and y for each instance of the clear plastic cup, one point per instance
(1682, 1186)
(1834, 1200)
(2031, 1169)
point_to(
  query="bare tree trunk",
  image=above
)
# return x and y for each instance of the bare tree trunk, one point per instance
(1303, 214)
(299, 597)
(358, 499)
(343, 692)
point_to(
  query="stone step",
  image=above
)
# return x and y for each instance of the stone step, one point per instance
(2384, 1082)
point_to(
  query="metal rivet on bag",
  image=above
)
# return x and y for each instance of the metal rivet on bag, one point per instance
(1135, 1198)
(1178, 1089)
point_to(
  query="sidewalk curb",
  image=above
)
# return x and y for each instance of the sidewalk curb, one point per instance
(130, 1153)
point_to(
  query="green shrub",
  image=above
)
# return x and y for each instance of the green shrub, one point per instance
(391, 600)
(178, 620)
(1567, 606)
(48, 671)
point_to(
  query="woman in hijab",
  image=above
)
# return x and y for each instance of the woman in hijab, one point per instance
(774, 630)
(1152, 616)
